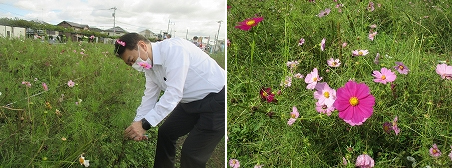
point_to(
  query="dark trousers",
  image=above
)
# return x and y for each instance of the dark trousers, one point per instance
(204, 122)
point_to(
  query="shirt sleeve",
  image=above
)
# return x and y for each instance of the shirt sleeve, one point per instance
(176, 63)
(148, 101)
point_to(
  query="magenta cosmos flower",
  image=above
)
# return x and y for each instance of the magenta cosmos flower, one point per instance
(333, 62)
(364, 161)
(444, 70)
(354, 103)
(434, 151)
(45, 87)
(234, 163)
(401, 68)
(247, 24)
(312, 79)
(384, 76)
(266, 94)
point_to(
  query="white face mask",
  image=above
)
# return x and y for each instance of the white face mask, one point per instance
(141, 65)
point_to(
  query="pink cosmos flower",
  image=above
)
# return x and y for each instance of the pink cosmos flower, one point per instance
(324, 12)
(258, 166)
(401, 68)
(384, 76)
(145, 65)
(333, 62)
(298, 75)
(312, 79)
(28, 84)
(247, 24)
(325, 94)
(360, 52)
(322, 44)
(301, 42)
(292, 64)
(287, 82)
(364, 161)
(70, 83)
(371, 7)
(234, 163)
(373, 26)
(44, 86)
(394, 126)
(293, 116)
(354, 103)
(344, 161)
(434, 151)
(444, 70)
(372, 35)
(344, 44)
(324, 109)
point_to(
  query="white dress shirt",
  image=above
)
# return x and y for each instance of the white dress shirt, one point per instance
(184, 72)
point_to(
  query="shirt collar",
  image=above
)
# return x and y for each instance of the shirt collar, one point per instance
(156, 57)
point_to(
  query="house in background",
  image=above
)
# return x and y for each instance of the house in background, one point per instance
(148, 34)
(12, 32)
(76, 27)
(117, 31)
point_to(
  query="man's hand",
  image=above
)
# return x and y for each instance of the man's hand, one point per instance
(135, 131)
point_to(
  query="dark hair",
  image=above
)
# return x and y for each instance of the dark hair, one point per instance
(128, 41)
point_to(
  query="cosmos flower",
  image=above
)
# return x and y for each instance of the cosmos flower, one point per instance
(360, 52)
(333, 62)
(444, 70)
(322, 44)
(387, 127)
(395, 127)
(312, 79)
(372, 35)
(434, 151)
(293, 116)
(28, 84)
(384, 76)
(267, 95)
(324, 94)
(145, 65)
(324, 109)
(44, 86)
(354, 103)
(83, 161)
(401, 68)
(301, 42)
(234, 163)
(324, 12)
(364, 161)
(247, 24)
(70, 83)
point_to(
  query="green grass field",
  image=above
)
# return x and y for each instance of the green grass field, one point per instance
(417, 33)
(53, 128)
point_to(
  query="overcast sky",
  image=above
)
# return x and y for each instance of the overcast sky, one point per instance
(199, 17)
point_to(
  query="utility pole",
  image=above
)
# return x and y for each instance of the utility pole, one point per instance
(218, 34)
(167, 30)
(114, 20)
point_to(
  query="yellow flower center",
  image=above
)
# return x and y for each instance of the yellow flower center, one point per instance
(334, 63)
(314, 79)
(326, 94)
(354, 101)
(81, 160)
(360, 53)
(401, 67)
(292, 115)
(250, 22)
(265, 94)
(383, 77)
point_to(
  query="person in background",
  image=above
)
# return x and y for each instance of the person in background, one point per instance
(192, 103)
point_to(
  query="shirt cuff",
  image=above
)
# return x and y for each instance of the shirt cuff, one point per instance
(153, 118)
